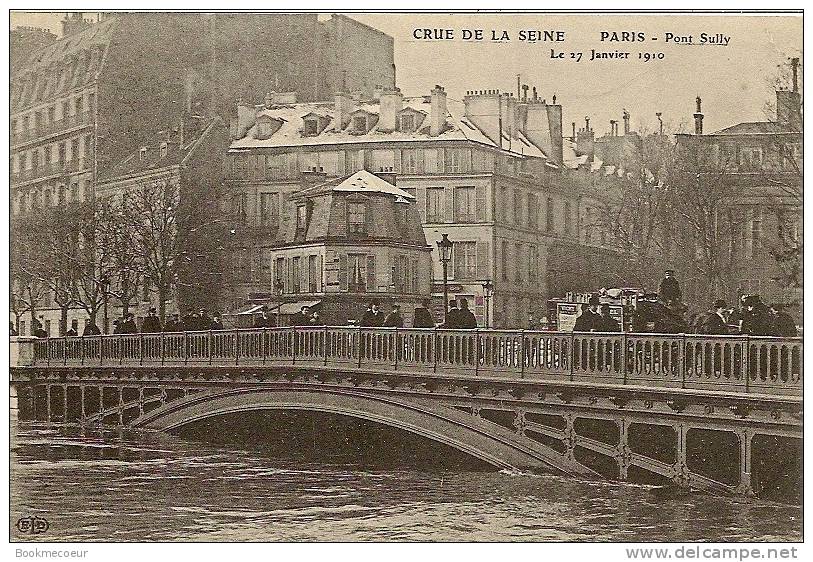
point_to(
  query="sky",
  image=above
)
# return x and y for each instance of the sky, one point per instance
(732, 80)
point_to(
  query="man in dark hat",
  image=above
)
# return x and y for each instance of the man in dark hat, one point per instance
(301, 318)
(265, 320)
(173, 324)
(452, 316)
(422, 317)
(714, 320)
(669, 289)
(588, 320)
(372, 317)
(129, 324)
(151, 324)
(783, 322)
(394, 318)
(605, 322)
(465, 317)
(74, 331)
(756, 320)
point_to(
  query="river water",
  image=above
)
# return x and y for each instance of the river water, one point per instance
(94, 485)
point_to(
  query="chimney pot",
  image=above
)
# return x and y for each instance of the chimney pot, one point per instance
(698, 118)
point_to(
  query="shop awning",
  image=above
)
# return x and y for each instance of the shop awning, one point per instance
(289, 308)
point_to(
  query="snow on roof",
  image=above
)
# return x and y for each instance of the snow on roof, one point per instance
(753, 128)
(458, 128)
(366, 182)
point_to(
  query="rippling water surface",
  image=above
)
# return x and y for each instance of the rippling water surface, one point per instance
(144, 486)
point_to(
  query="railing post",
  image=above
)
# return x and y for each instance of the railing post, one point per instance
(236, 346)
(522, 351)
(572, 355)
(477, 352)
(435, 349)
(65, 351)
(263, 341)
(682, 360)
(395, 348)
(293, 344)
(746, 368)
(121, 348)
(185, 347)
(141, 348)
(82, 350)
(325, 343)
(162, 349)
(360, 346)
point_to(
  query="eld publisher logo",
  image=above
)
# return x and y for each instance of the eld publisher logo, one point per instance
(32, 525)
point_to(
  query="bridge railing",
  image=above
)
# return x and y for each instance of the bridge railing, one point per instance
(735, 363)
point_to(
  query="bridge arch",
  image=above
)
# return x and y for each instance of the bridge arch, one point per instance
(481, 439)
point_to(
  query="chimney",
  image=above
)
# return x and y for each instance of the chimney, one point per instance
(309, 178)
(698, 118)
(518, 86)
(626, 122)
(438, 118)
(789, 103)
(390, 103)
(535, 96)
(660, 123)
(612, 127)
(342, 109)
(378, 91)
(573, 136)
(389, 176)
(586, 123)
(269, 100)
(242, 120)
(794, 63)
(525, 92)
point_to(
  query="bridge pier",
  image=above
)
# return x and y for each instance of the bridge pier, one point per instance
(623, 456)
(744, 488)
(82, 402)
(681, 476)
(570, 438)
(48, 402)
(64, 403)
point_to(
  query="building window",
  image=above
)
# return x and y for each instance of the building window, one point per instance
(588, 225)
(517, 207)
(464, 204)
(407, 122)
(412, 161)
(238, 205)
(382, 160)
(753, 240)
(434, 204)
(356, 218)
(533, 262)
(455, 160)
(313, 274)
(75, 149)
(78, 106)
(356, 273)
(296, 274)
(162, 150)
(549, 215)
(568, 218)
(61, 192)
(269, 209)
(301, 218)
(750, 158)
(311, 127)
(533, 211)
(465, 260)
(504, 260)
(360, 124)
(280, 273)
(519, 263)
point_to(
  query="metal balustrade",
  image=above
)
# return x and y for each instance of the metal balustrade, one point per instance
(762, 365)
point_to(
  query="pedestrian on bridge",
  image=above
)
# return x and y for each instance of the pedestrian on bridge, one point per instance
(394, 318)
(422, 317)
(605, 322)
(91, 329)
(74, 331)
(452, 321)
(173, 324)
(714, 321)
(588, 320)
(669, 288)
(465, 318)
(783, 322)
(129, 325)
(372, 317)
(216, 324)
(151, 324)
(757, 320)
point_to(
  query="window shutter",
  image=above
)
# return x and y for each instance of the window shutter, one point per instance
(441, 160)
(371, 286)
(396, 161)
(483, 269)
(480, 203)
(340, 229)
(420, 201)
(448, 209)
(289, 286)
(419, 157)
(319, 273)
(343, 272)
(465, 164)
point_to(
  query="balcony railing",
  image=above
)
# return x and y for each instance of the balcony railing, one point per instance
(53, 169)
(734, 364)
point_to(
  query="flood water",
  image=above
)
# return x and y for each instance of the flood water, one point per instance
(111, 485)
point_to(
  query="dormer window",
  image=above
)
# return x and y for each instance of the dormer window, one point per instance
(142, 154)
(311, 127)
(301, 217)
(407, 122)
(357, 218)
(266, 126)
(163, 150)
(360, 124)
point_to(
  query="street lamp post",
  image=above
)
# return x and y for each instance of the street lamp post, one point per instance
(445, 249)
(488, 290)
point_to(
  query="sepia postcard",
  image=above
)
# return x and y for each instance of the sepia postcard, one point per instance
(403, 276)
